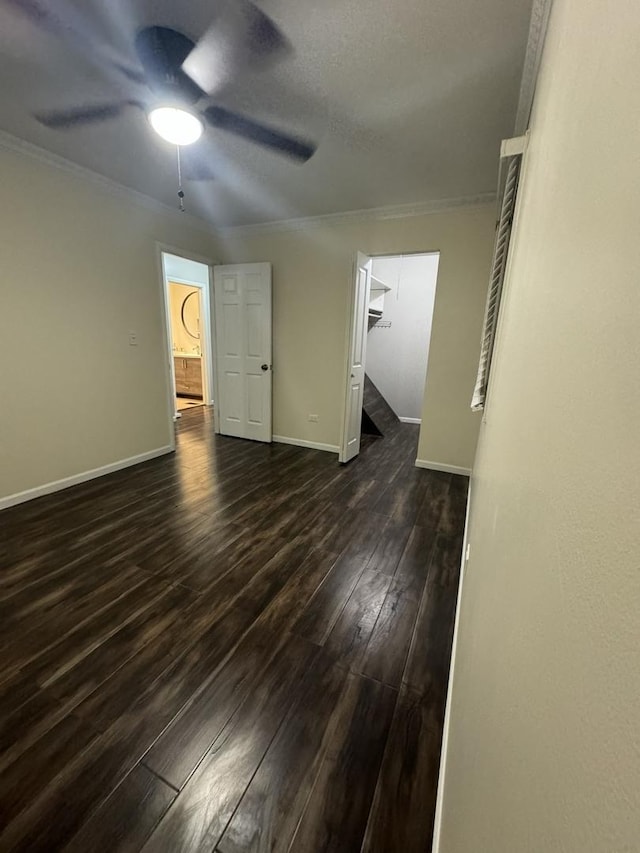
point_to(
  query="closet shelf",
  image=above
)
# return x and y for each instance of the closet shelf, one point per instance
(378, 286)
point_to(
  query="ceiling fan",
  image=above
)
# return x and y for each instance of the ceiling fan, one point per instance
(181, 74)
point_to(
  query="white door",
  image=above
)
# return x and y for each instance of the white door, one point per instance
(350, 445)
(242, 316)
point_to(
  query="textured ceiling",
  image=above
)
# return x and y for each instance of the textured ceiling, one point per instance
(408, 101)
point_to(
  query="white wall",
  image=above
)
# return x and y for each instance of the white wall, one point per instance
(312, 274)
(544, 741)
(397, 355)
(179, 268)
(79, 271)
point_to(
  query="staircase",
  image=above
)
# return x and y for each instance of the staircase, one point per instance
(378, 418)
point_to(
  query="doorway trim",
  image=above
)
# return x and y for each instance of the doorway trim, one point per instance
(349, 331)
(360, 260)
(209, 386)
(207, 370)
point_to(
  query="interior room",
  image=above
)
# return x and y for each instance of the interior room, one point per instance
(185, 344)
(186, 284)
(239, 237)
(403, 290)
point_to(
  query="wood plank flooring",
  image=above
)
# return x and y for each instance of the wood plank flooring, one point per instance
(237, 648)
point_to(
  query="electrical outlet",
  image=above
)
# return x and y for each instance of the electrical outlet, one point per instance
(313, 419)
(133, 339)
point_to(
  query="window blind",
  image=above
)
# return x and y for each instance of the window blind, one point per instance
(498, 266)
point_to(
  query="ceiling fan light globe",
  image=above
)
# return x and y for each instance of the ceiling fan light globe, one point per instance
(180, 127)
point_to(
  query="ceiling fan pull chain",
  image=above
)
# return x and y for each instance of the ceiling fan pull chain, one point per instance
(180, 190)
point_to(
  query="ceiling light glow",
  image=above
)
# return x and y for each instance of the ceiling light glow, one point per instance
(177, 126)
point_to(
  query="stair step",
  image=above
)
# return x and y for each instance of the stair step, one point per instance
(378, 410)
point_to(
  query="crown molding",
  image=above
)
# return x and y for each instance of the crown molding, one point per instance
(538, 25)
(16, 145)
(8, 142)
(392, 211)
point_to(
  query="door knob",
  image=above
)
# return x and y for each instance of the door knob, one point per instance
(265, 367)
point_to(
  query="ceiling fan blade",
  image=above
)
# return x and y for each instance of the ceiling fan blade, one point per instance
(64, 119)
(198, 170)
(39, 15)
(264, 38)
(80, 37)
(197, 161)
(261, 134)
(240, 36)
(131, 73)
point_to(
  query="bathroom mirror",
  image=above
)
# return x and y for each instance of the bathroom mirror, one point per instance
(190, 314)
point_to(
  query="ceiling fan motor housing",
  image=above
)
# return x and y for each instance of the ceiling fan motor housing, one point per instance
(162, 51)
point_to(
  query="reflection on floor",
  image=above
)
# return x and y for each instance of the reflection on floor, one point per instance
(188, 402)
(236, 647)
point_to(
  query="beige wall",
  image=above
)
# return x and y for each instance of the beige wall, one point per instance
(312, 273)
(544, 745)
(79, 271)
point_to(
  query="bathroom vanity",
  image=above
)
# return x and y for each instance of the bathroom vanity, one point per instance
(188, 373)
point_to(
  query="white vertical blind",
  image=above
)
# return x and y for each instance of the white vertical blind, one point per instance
(498, 266)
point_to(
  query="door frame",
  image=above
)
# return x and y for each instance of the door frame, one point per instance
(209, 384)
(351, 309)
(207, 369)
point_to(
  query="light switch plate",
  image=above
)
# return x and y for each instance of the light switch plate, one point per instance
(133, 339)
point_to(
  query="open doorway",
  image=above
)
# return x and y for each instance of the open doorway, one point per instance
(188, 309)
(390, 333)
(403, 289)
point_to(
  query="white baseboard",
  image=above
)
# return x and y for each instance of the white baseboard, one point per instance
(440, 466)
(409, 420)
(82, 477)
(437, 826)
(300, 442)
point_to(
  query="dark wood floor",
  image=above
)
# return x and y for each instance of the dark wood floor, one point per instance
(238, 648)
